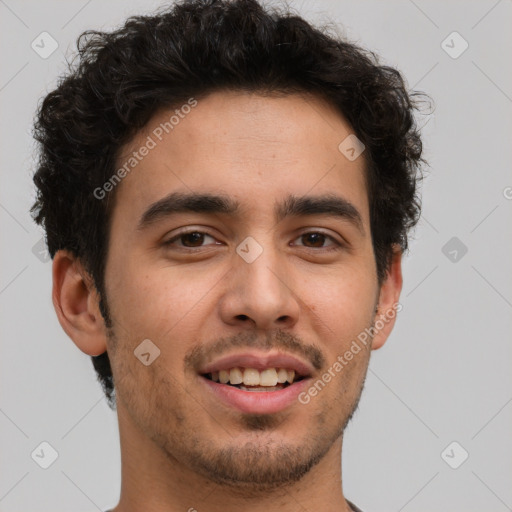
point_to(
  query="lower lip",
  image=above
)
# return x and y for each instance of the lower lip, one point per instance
(256, 402)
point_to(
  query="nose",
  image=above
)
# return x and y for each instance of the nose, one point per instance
(260, 294)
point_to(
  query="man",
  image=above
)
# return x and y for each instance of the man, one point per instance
(226, 193)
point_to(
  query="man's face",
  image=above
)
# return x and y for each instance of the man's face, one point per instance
(301, 288)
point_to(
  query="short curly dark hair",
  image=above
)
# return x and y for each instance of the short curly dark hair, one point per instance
(191, 49)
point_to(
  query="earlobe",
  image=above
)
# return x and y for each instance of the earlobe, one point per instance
(388, 301)
(76, 303)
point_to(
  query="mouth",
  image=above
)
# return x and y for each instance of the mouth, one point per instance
(254, 380)
(256, 383)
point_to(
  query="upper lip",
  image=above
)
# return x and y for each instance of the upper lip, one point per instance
(259, 361)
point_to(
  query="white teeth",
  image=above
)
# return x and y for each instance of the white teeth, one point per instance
(224, 376)
(251, 377)
(236, 376)
(282, 375)
(268, 377)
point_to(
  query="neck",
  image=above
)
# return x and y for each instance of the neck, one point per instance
(153, 480)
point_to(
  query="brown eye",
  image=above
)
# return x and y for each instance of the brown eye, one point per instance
(316, 240)
(194, 239)
(189, 240)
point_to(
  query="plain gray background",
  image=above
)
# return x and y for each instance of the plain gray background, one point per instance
(443, 376)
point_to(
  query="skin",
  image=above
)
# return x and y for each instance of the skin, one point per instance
(180, 447)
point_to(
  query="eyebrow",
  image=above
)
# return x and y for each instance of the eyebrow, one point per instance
(293, 206)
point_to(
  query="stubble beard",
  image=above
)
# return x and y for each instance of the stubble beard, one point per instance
(264, 465)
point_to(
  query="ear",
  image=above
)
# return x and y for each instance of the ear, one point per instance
(76, 302)
(389, 305)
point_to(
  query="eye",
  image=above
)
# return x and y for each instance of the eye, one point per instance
(189, 239)
(316, 240)
(196, 239)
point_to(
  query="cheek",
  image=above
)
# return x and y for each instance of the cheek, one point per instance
(158, 302)
(343, 303)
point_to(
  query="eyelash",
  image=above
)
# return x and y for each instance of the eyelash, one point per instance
(338, 245)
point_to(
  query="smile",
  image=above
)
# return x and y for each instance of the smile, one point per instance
(252, 379)
(256, 382)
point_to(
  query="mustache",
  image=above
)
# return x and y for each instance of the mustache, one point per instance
(275, 339)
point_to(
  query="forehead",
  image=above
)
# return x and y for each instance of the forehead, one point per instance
(254, 148)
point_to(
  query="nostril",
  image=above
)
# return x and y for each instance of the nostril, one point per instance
(242, 317)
